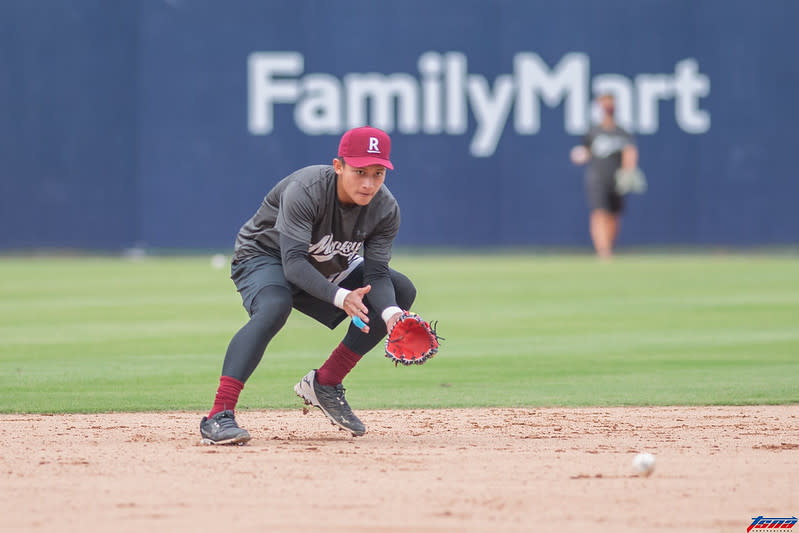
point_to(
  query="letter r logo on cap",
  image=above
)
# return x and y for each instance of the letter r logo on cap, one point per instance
(365, 146)
(373, 148)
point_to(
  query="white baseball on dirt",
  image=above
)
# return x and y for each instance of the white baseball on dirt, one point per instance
(644, 463)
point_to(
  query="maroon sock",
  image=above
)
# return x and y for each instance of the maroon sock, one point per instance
(338, 365)
(227, 395)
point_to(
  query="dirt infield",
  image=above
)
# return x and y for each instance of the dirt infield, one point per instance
(424, 470)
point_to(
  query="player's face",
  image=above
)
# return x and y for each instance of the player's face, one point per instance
(608, 104)
(358, 185)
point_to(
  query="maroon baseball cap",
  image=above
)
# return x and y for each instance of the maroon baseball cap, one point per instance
(361, 147)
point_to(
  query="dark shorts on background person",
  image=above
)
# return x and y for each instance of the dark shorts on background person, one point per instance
(601, 194)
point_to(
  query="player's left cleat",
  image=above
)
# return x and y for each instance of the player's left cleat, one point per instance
(223, 429)
(331, 401)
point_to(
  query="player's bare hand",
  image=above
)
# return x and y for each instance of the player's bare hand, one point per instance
(354, 306)
(580, 155)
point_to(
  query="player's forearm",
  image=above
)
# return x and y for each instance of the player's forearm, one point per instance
(301, 273)
(382, 296)
(629, 157)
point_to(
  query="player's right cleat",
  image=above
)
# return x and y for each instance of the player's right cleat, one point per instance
(223, 429)
(331, 401)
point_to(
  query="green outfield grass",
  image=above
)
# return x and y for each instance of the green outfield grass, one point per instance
(107, 334)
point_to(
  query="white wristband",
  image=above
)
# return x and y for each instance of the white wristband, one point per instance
(338, 301)
(388, 312)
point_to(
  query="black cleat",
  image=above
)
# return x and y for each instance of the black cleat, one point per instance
(330, 399)
(223, 429)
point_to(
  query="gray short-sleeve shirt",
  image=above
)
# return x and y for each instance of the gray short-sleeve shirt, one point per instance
(606, 147)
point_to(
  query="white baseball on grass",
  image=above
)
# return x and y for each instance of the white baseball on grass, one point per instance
(218, 261)
(644, 463)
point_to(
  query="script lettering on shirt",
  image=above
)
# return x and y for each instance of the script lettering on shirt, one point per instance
(326, 248)
(605, 145)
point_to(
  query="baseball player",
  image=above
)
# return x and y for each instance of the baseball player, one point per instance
(607, 148)
(300, 250)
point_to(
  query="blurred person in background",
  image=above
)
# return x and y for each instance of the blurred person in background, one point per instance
(612, 172)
